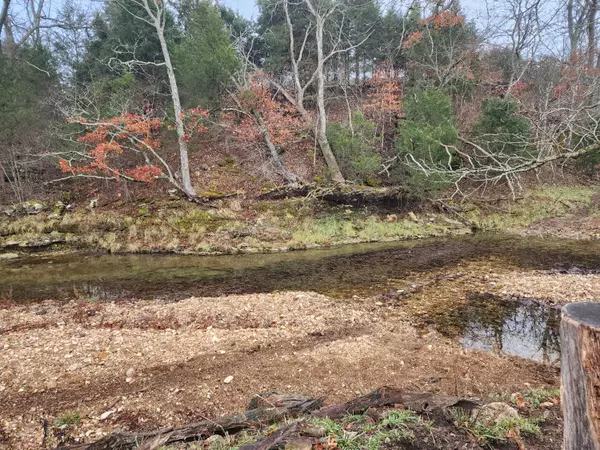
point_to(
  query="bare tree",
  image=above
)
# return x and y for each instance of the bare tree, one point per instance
(577, 13)
(156, 13)
(20, 21)
(591, 31)
(564, 112)
(321, 12)
(4, 14)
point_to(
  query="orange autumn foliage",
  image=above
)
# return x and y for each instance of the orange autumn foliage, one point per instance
(383, 105)
(384, 101)
(279, 118)
(108, 139)
(436, 23)
(445, 19)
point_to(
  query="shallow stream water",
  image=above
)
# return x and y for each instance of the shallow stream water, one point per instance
(523, 328)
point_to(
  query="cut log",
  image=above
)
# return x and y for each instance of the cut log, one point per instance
(291, 406)
(580, 371)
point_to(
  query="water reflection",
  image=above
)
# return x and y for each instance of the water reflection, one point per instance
(524, 328)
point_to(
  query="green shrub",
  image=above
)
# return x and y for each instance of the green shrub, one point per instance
(355, 148)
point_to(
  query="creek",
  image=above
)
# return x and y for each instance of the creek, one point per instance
(526, 328)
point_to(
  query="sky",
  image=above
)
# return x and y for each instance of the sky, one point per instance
(248, 8)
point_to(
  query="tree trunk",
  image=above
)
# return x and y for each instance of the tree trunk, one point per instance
(572, 30)
(4, 16)
(186, 182)
(287, 175)
(592, 33)
(580, 370)
(332, 165)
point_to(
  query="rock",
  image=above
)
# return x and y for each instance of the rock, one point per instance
(42, 241)
(215, 439)
(299, 444)
(413, 217)
(58, 210)
(106, 414)
(314, 431)
(546, 405)
(6, 256)
(130, 372)
(10, 210)
(452, 221)
(228, 380)
(52, 384)
(493, 413)
(33, 207)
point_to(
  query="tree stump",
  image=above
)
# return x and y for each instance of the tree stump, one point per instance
(580, 371)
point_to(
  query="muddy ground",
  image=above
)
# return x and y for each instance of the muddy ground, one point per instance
(148, 364)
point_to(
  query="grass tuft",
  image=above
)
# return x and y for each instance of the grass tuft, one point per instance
(66, 419)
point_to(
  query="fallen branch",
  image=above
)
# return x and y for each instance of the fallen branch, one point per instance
(347, 195)
(420, 402)
(291, 406)
(272, 408)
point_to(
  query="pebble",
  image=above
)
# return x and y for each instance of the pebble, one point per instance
(228, 380)
(106, 414)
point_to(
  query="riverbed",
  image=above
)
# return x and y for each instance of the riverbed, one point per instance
(148, 340)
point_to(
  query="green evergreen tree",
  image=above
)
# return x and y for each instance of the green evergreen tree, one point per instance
(206, 58)
(118, 37)
(501, 128)
(428, 127)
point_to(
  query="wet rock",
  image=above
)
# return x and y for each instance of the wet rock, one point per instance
(7, 256)
(42, 241)
(11, 243)
(495, 412)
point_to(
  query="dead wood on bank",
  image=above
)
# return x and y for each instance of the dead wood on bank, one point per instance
(271, 408)
(393, 196)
